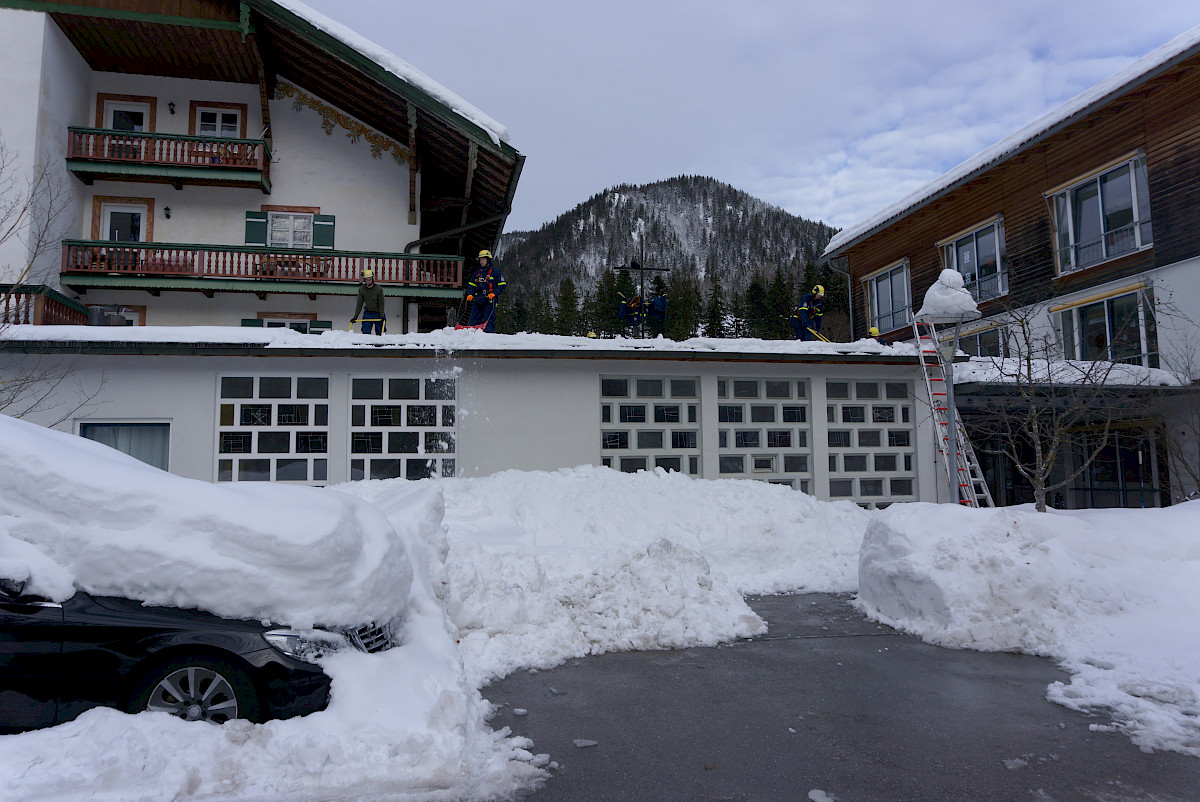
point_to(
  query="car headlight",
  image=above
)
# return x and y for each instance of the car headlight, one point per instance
(308, 645)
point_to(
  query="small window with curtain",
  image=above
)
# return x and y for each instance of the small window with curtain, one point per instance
(148, 442)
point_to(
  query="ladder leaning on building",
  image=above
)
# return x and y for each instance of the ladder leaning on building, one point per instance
(969, 485)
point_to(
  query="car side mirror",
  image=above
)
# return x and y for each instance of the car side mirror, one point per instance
(11, 589)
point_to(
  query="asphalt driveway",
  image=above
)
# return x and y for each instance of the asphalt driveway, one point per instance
(827, 706)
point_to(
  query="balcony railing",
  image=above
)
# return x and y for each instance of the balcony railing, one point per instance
(250, 262)
(167, 150)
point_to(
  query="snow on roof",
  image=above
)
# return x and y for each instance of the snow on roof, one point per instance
(398, 67)
(994, 370)
(1121, 82)
(443, 340)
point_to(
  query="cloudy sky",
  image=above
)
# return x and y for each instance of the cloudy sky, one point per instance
(830, 109)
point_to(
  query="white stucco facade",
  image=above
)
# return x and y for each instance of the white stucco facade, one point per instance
(853, 429)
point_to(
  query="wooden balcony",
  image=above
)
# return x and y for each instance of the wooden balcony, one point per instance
(95, 154)
(304, 267)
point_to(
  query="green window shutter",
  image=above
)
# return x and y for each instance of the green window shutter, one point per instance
(323, 232)
(256, 228)
(318, 325)
(252, 322)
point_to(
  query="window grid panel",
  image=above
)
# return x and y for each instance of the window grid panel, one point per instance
(769, 453)
(644, 426)
(272, 428)
(404, 427)
(871, 440)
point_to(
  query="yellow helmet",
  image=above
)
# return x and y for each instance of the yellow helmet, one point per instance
(819, 290)
(368, 273)
(873, 331)
(485, 254)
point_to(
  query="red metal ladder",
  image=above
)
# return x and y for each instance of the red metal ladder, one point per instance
(971, 486)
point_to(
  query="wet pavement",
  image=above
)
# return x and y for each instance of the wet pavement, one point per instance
(826, 706)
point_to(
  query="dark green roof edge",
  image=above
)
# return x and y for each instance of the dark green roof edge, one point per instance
(358, 59)
(247, 285)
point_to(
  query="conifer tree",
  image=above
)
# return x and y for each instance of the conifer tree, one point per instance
(567, 318)
(685, 307)
(779, 306)
(754, 308)
(715, 312)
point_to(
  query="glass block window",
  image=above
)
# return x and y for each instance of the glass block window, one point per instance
(864, 447)
(409, 432)
(648, 422)
(732, 463)
(272, 428)
(841, 488)
(774, 419)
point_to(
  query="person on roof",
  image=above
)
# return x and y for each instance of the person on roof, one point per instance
(370, 305)
(873, 333)
(806, 317)
(630, 313)
(656, 316)
(483, 290)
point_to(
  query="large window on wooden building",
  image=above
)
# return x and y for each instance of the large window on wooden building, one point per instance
(1120, 328)
(978, 255)
(1102, 216)
(888, 297)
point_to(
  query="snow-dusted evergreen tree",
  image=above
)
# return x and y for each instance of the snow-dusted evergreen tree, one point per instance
(716, 312)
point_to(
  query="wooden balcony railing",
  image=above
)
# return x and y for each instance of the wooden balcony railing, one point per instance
(33, 305)
(167, 150)
(251, 262)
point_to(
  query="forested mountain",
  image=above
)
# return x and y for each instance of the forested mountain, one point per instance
(713, 239)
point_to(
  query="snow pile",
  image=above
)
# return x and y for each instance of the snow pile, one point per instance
(544, 566)
(87, 513)
(1111, 594)
(948, 300)
(406, 722)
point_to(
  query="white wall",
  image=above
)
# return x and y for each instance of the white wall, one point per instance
(20, 64)
(368, 196)
(512, 413)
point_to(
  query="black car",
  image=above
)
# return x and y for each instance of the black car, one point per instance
(60, 659)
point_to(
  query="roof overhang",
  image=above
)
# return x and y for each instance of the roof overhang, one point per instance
(1068, 114)
(469, 175)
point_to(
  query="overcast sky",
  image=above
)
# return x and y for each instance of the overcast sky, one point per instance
(830, 109)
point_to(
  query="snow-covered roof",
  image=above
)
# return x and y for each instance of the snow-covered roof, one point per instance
(443, 341)
(396, 66)
(1137, 73)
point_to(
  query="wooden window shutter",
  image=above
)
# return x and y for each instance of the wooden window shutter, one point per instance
(256, 228)
(323, 232)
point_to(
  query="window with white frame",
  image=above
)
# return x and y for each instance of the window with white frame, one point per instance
(403, 426)
(869, 441)
(649, 422)
(148, 442)
(124, 222)
(978, 256)
(273, 428)
(888, 297)
(764, 430)
(1119, 329)
(993, 342)
(289, 230)
(1103, 216)
(224, 123)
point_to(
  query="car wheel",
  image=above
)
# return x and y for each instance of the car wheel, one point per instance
(198, 688)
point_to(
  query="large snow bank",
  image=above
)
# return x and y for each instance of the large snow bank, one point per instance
(78, 513)
(1111, 594)
(543, 566)
(401, 724)
(994, 369)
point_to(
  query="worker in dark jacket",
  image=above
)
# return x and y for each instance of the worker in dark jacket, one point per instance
(656, 317)
(630, 312)
(873, 333)
(370, 304)
(484, 288)
(806, 317)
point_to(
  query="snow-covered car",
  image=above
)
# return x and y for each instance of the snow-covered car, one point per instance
(58, 659)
